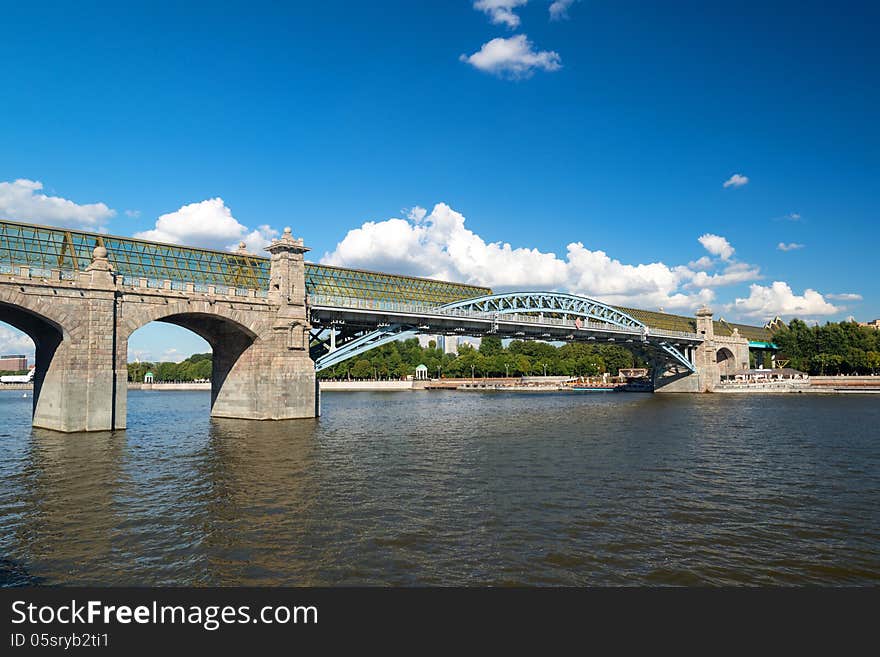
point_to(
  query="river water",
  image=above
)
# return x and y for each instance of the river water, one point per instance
(441, 488)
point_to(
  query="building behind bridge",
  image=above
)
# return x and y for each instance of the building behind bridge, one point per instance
(13, 363)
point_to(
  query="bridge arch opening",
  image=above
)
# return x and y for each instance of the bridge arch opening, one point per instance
(220, 345)
(726, 362)
(46, 336)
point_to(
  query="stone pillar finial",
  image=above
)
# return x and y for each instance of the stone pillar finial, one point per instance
(100, 261)
(242, 249)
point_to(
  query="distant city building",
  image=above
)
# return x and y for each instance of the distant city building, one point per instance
(874, 324)
(448, 344)
(13, 363)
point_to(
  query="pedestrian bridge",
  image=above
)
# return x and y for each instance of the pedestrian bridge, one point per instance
(272, 322)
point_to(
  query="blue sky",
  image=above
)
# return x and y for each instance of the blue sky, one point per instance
(595, 145)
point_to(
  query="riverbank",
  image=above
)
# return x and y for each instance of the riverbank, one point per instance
(815, 384)
(131, 386)
(818, 384)
(170, 386)
(533, 383)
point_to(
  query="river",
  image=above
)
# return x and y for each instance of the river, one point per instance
(450, 488)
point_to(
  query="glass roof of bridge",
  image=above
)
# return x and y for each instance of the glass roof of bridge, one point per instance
(689, 324)
(45, 248)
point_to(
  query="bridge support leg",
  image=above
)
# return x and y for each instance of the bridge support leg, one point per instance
(269, 379)
(76, 387)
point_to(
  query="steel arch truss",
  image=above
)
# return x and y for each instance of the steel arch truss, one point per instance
(551, 304)
(677, 357)
(555, 303)
(366, 342)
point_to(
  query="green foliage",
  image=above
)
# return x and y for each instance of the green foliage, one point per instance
(396, 360)
(835, 348)
(195, 368)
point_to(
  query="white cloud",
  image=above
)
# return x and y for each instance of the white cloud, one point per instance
(439, 245)
(134, 214)
(171, 356)
(501, 11)
(736, 272)
(791, 246)
(208, 224)
(13, 341)
(717, 245)
(512, 58)
(257, 240)
(736, 180)
(702, 263)
(139, 356)
(766, 302)
(846, 296)
(23, 201)
(559, 9)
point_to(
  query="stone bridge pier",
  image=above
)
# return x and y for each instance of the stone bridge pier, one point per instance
(80, 326)
(714, 356)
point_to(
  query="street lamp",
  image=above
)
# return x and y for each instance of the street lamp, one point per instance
(545, 369)
(438, 371)
(507, 369)
(472, 372)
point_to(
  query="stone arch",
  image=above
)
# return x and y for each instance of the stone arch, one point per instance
(230, 333)
(33, 316)
(726, 362)
(136, 315)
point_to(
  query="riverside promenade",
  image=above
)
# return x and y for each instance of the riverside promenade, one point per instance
(815, 384)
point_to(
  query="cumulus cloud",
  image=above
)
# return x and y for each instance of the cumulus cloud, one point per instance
(512, 58)
(501, 11)
(22, 200)
(559, 9)
(439, 245)
(736, 180)
(134, 214)
(702, 263)
(717, 245)
(791, 246)
(257, 240)
(737, 272)
(208, 224)
(766, 302)
(13, 341)
(846, 296)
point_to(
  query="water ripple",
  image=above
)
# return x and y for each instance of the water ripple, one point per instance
(450, 488)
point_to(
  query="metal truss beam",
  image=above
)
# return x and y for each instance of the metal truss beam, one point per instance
(371, 340)
(553, 303)
(521, 303)
(677, 357)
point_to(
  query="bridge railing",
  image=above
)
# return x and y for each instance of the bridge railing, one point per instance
(40, 273)
(349, 303)
(24, 271)
(665, 333)
(191, 287)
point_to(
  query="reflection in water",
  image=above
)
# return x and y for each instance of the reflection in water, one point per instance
(450, 488)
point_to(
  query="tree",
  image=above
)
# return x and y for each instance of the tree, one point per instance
(490, 345)
(872, 359)
(363, 369)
